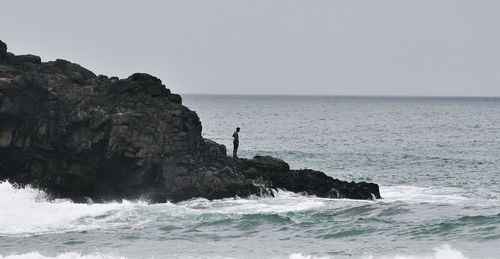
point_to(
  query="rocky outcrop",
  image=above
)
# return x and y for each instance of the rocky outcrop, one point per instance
(76, 134)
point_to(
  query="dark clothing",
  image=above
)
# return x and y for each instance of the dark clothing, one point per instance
(236, 143)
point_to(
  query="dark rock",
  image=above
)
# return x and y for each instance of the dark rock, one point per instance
(3, 50)
(144, 77)
(82, 136)
(28, 59)
(11, 58)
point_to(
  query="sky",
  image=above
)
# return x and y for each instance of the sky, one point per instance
(351, 47)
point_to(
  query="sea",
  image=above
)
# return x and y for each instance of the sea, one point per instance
(436, 159)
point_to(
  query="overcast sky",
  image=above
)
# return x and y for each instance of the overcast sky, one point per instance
(349, 47)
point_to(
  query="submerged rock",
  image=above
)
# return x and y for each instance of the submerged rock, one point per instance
(88, 137)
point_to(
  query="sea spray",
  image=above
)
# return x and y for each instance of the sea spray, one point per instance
(70, 255)
(28, 211)
(444, 251)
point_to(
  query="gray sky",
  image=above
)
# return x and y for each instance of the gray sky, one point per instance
(349, 47)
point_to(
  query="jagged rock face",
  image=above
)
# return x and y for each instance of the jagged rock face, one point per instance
(79, 135)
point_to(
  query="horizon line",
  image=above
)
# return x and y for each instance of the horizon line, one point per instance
(347, 95)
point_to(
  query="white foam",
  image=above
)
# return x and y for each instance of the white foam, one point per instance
(442, 252)
(27, 211)
(414, 194)
(304, 256)
(282, 202)
(71, 255)
(76, 255)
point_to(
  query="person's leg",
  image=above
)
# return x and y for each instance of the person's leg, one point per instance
(235, 149)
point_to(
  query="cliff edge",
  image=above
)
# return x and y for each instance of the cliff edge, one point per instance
(77, 135)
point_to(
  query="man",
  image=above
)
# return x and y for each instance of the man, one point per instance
(236, 142)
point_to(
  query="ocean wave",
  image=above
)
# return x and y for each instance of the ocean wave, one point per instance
(414, 194)
(441, 252)
(305, 256)
(444, 251)
(70, 255)
(76, 255)
(283, 201)
(27, 211)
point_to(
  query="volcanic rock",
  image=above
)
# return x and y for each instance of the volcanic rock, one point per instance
(77, 135)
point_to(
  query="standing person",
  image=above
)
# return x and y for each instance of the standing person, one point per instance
(236, 142)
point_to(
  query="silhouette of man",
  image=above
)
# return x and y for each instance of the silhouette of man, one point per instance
(236, 142)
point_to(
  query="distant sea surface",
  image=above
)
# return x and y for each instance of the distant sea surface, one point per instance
(437, 161)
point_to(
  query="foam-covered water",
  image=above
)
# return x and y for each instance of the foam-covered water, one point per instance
(441, 252)
(436, 160)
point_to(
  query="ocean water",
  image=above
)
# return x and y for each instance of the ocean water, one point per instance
(437, 161)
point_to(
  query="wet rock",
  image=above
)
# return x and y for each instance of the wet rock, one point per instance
(82, 136)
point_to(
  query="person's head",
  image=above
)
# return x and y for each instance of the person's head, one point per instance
(238, 129)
